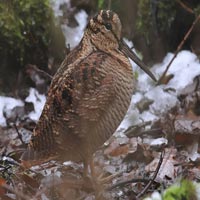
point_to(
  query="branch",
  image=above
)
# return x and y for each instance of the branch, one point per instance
(151, 180)
(185, 7)
(19, 135)
(123, 183)
(178, 49)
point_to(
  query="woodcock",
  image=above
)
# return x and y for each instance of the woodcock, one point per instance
(88, 96)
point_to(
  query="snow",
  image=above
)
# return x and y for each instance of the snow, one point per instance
(184, 69)
(56, 6)
(74, 35)
(154, 196)
(159, 142)
(38, 101)
(163, 101)
(7, 103)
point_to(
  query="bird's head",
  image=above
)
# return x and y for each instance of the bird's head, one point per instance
(104, 32)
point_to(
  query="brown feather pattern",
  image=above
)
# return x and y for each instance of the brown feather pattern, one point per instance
(88, 97)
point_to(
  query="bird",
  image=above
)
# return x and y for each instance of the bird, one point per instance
(88, 97)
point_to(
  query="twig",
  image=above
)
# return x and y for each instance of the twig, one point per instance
(42, 72)
(19, 135)
(39, 71)
(151, 180)
(178, 49)
(123, 183)
(185, 7)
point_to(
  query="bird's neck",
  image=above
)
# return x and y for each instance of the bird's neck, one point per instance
(91, 44)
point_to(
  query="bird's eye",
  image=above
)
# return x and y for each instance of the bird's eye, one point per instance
(108, 26)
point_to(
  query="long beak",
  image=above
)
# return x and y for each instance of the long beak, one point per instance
(129, 53)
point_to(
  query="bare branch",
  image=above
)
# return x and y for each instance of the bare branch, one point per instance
(185, 7)
(178, 49)
(151, 180)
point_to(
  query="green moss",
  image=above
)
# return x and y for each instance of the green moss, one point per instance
(29, 34)
(155, 15)
(144, 17)
(25, 27)
(101, 4)
(185, 190)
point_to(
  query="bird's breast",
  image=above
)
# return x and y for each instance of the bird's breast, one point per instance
(121, 86)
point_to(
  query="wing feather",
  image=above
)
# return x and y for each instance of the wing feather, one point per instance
(76, 100)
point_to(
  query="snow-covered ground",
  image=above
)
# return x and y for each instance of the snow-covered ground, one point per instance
(184, 69)
(7, 103)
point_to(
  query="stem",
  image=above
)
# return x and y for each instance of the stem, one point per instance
(178, 49)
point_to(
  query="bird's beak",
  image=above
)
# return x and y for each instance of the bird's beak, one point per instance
(129, 53)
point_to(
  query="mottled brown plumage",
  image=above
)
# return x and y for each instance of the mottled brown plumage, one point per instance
(88, 97)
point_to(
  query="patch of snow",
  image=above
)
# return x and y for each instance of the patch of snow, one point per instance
(147, 116)
(193, 151)
(25, 134)
(163, 101)
(68, 163)
(184, 69)
(136, 98)
(159, 141)
(154, 196)
(131, 117)
(120, 193)
(38, 101)
(74, 35)
(7, 103)
(12, 196)
(56, 6)
(44, 197)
